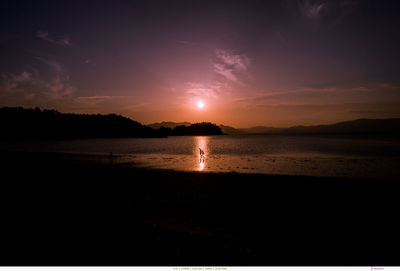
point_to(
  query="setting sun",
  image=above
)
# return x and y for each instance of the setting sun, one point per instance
(200, 105)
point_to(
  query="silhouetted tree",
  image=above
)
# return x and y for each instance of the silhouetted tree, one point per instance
(203, 128)
(20, 123)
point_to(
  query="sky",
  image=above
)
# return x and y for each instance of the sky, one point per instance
(272, 63)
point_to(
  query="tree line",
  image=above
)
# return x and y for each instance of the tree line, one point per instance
(21, 123)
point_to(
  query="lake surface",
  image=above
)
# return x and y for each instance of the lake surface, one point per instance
(271, 154)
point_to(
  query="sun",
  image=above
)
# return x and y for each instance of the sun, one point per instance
(200, 105)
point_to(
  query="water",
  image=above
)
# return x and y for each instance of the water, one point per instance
(270, 154)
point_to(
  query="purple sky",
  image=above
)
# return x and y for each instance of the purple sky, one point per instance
(276, 63)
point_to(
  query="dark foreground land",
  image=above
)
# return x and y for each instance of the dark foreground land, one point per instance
(59, 209)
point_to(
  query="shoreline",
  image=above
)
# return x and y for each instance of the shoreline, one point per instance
(314, 165)
(75, 210)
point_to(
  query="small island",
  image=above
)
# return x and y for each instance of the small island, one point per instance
(203, 128)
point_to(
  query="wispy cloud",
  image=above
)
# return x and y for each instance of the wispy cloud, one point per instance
(37, 89)
(229, 71)
(230, 65)
(10, 83)
(92, 102)
(208, 91)
(106, 104)
(312, 9)
(63, 41)
(372, 93)
(53, 65)
(327, 13)
(58, 86)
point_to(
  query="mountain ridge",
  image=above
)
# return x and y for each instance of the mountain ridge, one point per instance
(357, 126)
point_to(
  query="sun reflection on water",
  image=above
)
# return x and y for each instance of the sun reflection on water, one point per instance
(201, 166)
(201, 150)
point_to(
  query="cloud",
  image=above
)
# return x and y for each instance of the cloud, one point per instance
(35, 89)
(203, 90)
(229, 71)
(230, 65)
(206, 92)
(105, 104)
(24, 76)
(225, 72)
(356, 94)
(63, 41)
(99, 99)
(312, 9)
(10, 83)
(58, 85)
(326, 13)
(92, 102)
(54, 65)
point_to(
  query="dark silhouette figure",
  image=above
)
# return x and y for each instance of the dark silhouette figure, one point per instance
(202, 157)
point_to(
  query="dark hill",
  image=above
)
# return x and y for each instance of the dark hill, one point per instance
(168, 124)
(204, 128)
(20, 123)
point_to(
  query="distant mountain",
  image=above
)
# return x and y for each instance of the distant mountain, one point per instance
(258, 130)
(359, 126)
(168, 124)
(229, 130)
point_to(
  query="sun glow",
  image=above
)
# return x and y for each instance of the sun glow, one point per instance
(200, 105)
(201, 151)
(201, 166)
